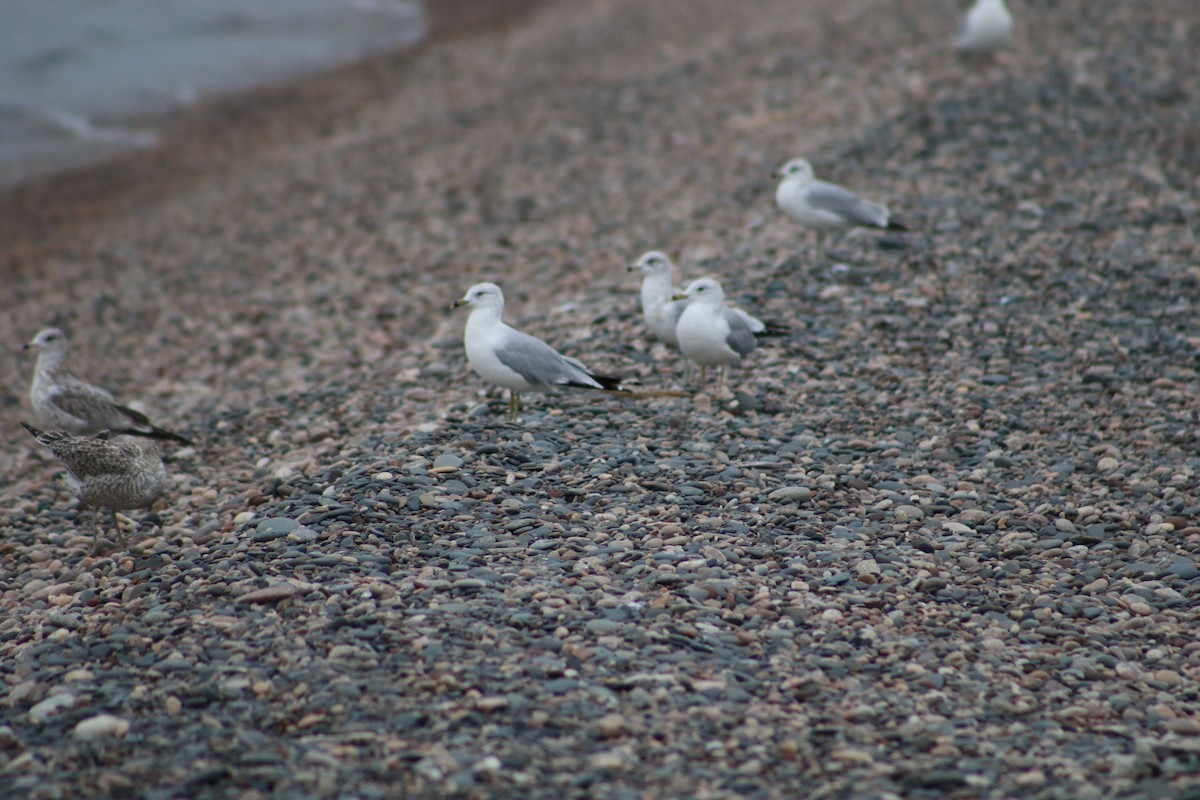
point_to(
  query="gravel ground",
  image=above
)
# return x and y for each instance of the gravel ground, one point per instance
(942, 543)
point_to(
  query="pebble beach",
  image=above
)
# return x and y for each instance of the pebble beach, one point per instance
(941, 542)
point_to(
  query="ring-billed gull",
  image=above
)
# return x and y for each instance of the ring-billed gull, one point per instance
(708, 334)
(986, 27)
(117, 474)
(517, 361)
(662, 311)
(826, 206)
(63, 402)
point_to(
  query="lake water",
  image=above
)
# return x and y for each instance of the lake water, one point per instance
(74, 73)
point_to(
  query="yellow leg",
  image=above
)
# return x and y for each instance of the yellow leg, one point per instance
(514, 405)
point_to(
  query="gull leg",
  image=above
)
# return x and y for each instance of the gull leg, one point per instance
(720, 382)
(99, 522)
(687, 372)
(514, 405)
(117, 528)
(703, 376)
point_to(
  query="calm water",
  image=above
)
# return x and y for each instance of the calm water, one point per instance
(74, 72)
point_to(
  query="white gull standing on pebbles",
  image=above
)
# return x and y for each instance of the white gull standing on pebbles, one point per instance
(517, 361)
(63, 402)
(710, 336)
(117, 475)
(987, 27)
(662, 312)
(826, 206)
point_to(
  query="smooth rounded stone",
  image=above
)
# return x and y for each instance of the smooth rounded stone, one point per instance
(273, 528)
(270, 594)
(302, 535)
(791, 494)
(907, 513)
(101, 726)
(603, 626)
(1187, 570)
(51, 706)
(469, 584)
(447, 460)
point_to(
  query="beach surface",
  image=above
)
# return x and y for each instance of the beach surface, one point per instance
(940, 542)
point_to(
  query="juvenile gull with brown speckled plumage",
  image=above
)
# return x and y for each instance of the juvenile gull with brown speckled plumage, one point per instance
(117, 474)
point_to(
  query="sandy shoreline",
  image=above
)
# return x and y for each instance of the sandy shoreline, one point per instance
(209, 136)
(944, 544)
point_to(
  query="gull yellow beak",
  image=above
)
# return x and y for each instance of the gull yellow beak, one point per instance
(459, 303)
(679, 296)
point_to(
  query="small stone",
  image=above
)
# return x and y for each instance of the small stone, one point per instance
(1166, 676)
(1184, 726)
(302, 535)
(791, 494)
(1033, 777)
(611, 725)
(907, 513)
(50, 706)
(270, 594)
(490, 704)
(447, 460)
(1107, 464)
(101, 725)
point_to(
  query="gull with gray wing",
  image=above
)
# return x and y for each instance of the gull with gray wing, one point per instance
(662, 311)
(517, 361)
(826, 206)
(987, 27)
(63, 402)
(708, 334)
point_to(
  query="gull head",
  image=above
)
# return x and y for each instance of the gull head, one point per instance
(50, 340)
(798, 169)
(703, 290)
(482, 295)
(653, 263)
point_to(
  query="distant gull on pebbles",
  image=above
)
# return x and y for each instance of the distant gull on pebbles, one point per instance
(63, 402)
(987, 27)
(117, 475)
(708, 334)
(662, 312)
(826, 206)
(517, 361)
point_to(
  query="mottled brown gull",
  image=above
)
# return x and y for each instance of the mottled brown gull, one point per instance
(63, 402)
(115, 474)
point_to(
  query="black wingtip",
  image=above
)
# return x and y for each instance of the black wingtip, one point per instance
(153, 433)
(773, 329)
(609, 383)
(896, 226)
